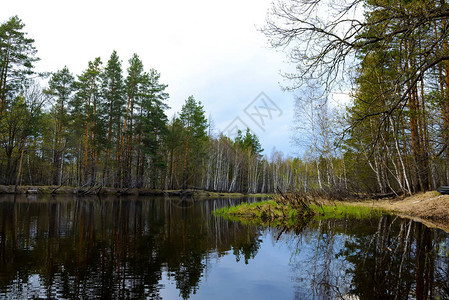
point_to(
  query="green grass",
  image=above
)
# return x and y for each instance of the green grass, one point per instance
(265, 210)
(266, 213)
(208, 194)
(271, 213)
(342, 210)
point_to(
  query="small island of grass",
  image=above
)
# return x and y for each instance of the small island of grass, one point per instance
(293, 208)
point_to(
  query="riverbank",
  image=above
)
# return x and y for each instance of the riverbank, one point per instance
(430, 208)
(68, 190)
(287, 211)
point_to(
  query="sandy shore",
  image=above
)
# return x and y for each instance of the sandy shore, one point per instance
(430, 208)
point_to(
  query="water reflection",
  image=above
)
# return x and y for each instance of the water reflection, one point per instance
(386, 258)
(152, 248)
(112, 248)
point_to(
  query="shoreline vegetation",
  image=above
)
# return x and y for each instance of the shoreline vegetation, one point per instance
(430, 208)
(293, 211)
(95, 190)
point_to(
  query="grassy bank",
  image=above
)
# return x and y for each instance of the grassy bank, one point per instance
(293, 211)
(271, 211)
(289, 218)
(340, 210)
(267, 213)
(430, 208)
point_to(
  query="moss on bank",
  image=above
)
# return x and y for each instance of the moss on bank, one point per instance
(272, 213)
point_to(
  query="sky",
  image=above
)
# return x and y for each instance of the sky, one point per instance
(211, 50)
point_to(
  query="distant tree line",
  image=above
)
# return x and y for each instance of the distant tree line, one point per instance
(107, 126)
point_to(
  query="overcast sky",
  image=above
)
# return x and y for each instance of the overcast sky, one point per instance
(209, 49)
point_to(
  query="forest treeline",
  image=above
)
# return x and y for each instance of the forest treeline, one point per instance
(108, 126)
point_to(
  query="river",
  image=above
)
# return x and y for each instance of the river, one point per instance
(63, 247)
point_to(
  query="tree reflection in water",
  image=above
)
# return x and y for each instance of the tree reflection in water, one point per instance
(131, 247)
(111, 248)
(386, 258)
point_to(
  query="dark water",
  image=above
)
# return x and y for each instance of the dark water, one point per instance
(163, 248)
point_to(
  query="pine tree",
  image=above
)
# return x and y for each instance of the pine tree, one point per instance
(17, 56)
(248, 142)
(113, 94)
(133, 84)
(85, 110)
(61, 87)
(195, 123)
(151, 127)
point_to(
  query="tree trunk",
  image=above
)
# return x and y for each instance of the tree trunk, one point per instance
(19, 171)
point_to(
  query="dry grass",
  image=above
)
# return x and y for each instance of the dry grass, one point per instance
(430, 208)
